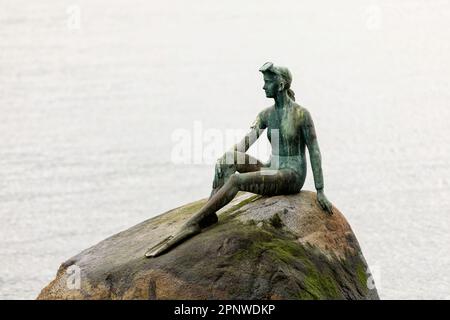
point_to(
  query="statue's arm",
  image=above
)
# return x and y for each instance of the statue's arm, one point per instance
(256, 129)
(249, 139)
(309, 133)
(252, 135)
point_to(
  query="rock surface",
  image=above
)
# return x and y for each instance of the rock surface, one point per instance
(282, 247)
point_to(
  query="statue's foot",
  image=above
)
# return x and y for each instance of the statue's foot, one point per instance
(172, 241)
(208, 220)
(186, 232)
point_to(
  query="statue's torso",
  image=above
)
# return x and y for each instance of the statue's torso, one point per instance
(284, 131)
(287, 124)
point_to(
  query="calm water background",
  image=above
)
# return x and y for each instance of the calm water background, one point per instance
(87, 115)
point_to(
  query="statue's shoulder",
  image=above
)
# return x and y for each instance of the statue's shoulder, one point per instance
(262, 118)
(302, 113)
(265, 113)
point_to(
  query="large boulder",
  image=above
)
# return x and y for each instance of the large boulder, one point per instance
(281, 247)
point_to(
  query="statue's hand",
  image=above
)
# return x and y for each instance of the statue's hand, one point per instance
(219, 164)
(324, 202)
(223, 161)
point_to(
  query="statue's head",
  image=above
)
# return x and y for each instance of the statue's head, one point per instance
(276, 79)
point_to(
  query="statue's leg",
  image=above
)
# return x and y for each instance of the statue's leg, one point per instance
(271, 182)
(266, 183)
(234, 162)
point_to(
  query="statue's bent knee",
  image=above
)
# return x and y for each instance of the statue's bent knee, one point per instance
(222, 172)
(234, 179)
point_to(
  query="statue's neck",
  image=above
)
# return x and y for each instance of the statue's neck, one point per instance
(282, 100)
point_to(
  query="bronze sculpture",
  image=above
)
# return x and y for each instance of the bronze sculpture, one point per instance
(289, 129)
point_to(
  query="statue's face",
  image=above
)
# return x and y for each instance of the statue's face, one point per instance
(271, 85)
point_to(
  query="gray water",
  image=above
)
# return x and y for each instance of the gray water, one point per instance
(88, 109)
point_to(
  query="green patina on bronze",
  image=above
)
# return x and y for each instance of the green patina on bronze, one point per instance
(290, 130)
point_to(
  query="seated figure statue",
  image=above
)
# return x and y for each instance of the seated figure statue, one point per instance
(289, 129)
